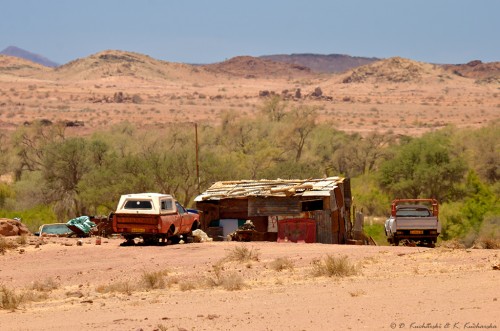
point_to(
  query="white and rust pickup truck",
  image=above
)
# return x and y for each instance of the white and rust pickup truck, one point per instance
(154, 217)
(413, 220)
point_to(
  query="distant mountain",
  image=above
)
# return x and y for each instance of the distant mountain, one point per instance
(332, 63)
(257, 67)
(482, 72)
(23, 54)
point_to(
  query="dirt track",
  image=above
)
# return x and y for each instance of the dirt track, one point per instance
(401, 288)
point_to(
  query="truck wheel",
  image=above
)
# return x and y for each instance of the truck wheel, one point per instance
(396, 242)
(171, 239)
(150, 241)
(129, 241)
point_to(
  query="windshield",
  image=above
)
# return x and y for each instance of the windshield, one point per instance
(55, 229)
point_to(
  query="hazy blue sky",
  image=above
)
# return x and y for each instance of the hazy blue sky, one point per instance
(198, 31)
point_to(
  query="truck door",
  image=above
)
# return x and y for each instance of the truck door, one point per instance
(183, 215)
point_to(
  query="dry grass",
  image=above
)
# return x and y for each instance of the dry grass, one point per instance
(154, 280)
(187, 286)
(486, 243)
(452, 244)
(334, 267)
(216, 280)
(9, 299)
(22, 240)
(44, 286)
(282, 263)
(357, 293)
(118, 287)
(233, 282)
(6, 244)
(230, 282)
(242, 254)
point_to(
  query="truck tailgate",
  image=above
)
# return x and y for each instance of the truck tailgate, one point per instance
(135, 223)
(421, 223)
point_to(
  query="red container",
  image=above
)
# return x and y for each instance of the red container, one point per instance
(297, 230)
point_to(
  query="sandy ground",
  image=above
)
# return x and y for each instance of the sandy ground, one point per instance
(403, 288)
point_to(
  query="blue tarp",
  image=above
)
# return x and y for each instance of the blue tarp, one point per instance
(83, 223)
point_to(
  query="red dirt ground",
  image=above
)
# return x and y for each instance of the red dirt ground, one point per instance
(401, 288)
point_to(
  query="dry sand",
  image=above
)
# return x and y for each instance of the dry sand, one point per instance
(401, 288)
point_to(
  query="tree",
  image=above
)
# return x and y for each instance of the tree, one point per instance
(464, 219)
(300, 122)
(482, 149)
(63, 166)
(4, 153)
(274, 107)
(426, 167)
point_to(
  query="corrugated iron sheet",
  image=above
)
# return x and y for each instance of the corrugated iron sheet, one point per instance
(266, 188)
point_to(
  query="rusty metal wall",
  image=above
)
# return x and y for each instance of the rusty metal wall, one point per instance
(258, 206)
(324, 233)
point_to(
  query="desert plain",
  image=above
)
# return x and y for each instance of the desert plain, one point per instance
(202, 286)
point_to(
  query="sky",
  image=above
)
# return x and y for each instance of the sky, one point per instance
(208, 31)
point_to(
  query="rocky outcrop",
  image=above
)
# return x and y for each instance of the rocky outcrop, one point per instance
(9, 227)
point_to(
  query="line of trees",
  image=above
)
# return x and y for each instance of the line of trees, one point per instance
(86, 175)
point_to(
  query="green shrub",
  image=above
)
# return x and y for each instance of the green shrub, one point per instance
(33, 217)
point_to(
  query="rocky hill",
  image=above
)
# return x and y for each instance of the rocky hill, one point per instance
(254, 67)
(332, 63)
(114, 63)
(394, 70)
(14, 66)
(23, 54)
(482, 72)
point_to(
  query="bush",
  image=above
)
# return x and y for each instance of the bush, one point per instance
(33, 217)
(120, 287)
(334, 267)
(187, 286)
(6, 244)
(232, 282)
(282, 263)
(154, 280)
(9, 299)
(242, 254)
(46, 286)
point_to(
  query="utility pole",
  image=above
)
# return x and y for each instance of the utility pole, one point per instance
(197, 163)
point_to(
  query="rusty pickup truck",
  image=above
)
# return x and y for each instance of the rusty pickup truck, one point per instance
(154, 217)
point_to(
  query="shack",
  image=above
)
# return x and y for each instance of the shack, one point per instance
(307, 210)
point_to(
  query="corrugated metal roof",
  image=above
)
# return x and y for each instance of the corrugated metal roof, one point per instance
(265, 188)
